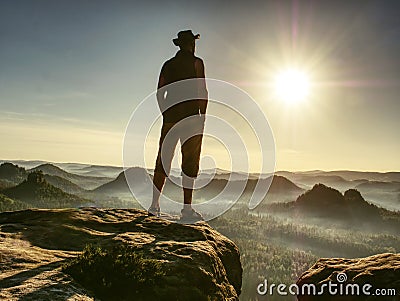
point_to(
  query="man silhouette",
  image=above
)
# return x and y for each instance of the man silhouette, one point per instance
(182, 98)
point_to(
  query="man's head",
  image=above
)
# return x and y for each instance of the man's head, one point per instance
(186, 40)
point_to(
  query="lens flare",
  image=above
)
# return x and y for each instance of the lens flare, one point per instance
(292, 86)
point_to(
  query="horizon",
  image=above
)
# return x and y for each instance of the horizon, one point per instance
(40, 161)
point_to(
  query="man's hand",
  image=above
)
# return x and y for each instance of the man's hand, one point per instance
(202, 120)
(202, 117)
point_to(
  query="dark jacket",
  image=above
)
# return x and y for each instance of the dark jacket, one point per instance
(187, 98)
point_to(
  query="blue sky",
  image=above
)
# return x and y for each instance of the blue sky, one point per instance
(72, 72)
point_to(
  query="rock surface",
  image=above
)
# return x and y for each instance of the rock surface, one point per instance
(35, 243)
(381, 271)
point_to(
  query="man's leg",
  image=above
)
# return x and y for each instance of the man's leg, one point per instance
(166, 151)
(187, 183)
(191, 149)
(158, 184)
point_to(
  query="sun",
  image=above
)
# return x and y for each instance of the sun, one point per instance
(292, 86)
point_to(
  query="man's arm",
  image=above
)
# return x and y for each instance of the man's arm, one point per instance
(201, 88)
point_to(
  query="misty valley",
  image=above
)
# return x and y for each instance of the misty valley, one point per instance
(305, 215)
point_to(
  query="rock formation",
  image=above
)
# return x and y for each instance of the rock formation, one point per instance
(369, 276)
(200, 263)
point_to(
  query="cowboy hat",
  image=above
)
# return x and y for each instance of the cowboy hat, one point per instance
(185, 36)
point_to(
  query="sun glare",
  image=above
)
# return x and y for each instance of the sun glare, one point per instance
(292, 85)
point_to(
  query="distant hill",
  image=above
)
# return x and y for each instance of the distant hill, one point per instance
(279, 184)
(309, 179)
(348, 175)
(384, 194)
(53, 170)
(282, 185)
(371, 176)
(113, 171)
(142, 184)
(118, 185)
(232, 175)
(87, 182)
(379, 186)
(327, 200)
(12, 174)
(8, 204)
(100, 171)
(27, 164)
(63, 184)
(36, 191)
(328, 203)
(140, 178)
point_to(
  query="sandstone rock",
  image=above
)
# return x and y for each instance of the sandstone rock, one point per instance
(381, 271)
(35, 243)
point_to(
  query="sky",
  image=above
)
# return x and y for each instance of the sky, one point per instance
(72, 73)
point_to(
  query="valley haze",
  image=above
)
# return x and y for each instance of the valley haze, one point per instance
(303, 217)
